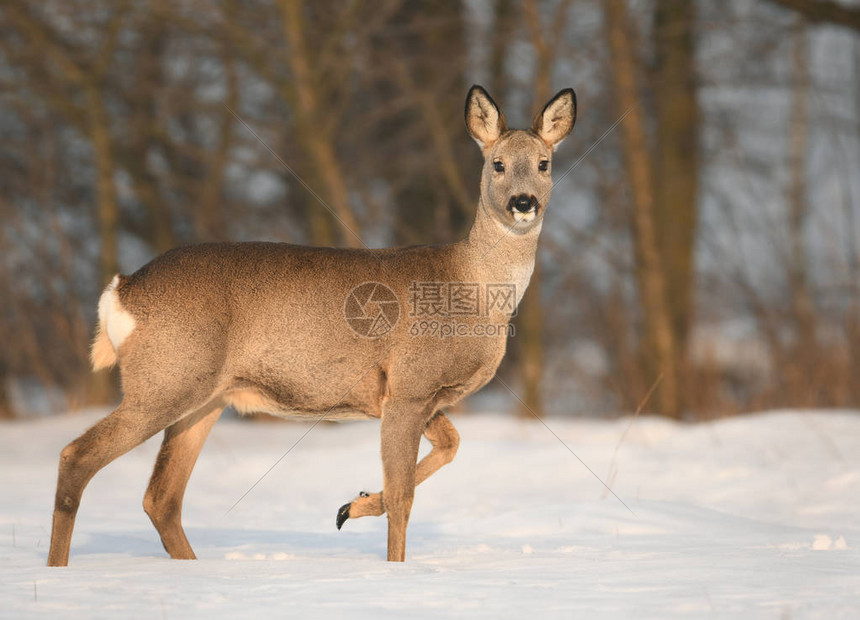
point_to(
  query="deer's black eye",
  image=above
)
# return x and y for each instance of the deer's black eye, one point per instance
(543, 166)
(498, 166)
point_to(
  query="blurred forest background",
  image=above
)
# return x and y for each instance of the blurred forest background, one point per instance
(707, 234)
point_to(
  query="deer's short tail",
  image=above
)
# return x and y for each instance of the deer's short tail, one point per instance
(102, 354)
(115, 324)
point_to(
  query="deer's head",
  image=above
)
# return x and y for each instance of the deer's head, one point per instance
(516, 182)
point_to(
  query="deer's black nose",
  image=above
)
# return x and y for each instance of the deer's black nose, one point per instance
(524, 203)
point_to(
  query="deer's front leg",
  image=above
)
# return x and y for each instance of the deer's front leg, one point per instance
(402, 425)
(444, 438)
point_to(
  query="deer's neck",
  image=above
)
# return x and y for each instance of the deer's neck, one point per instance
(496, 253)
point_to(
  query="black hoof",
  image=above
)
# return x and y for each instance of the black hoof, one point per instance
(343, 515)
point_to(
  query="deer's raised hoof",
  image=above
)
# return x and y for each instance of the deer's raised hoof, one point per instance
(343, 514)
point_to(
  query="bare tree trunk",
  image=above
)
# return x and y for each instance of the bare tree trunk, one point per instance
(499, 45)
(798, 210)
(651, 279)
(208, 224)
(798, 204)
(425, 62)
(531, 345)
(853, 321)
(544, 52)
(6, 327)
(440, 136)
(677, 162)
(108, 212)
(6, 412)
(96, 119)
(149, 80)
(102, 388)
(311, 129)
(531, 311)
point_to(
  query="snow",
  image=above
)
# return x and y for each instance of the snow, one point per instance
(746, 517)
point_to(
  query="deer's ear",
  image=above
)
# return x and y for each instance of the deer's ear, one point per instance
(556, 120)
(484, 119)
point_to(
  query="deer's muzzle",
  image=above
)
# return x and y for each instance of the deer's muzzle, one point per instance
(523, 203)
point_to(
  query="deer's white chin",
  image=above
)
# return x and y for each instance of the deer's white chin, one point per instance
(524, 217)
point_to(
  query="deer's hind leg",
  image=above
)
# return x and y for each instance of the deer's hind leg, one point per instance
(129, 425)
(180, 448)
(445, 440)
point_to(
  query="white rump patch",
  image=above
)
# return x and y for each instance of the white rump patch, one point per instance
(115, 319)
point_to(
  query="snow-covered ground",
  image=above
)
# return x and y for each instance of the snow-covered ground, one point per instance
(751, 517)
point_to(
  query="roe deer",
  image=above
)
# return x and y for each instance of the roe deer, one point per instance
(311, 331)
